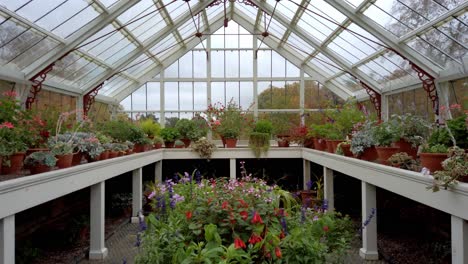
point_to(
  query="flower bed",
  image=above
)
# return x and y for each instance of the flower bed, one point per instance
(197, 220)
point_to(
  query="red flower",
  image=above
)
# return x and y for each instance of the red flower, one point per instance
(282, 234)
(238, 243)
(244, 215)
(278, 252)
(254, 239)
(188, 215)
(325, 228)
(257, 218)
(243, 203)
(225, 205)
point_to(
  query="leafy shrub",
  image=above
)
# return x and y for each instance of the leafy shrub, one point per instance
(169, 134)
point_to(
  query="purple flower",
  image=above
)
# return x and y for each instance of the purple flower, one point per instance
(325, 205)
(284, 225)
(151, 195)
(198, 176)
(303, 214)
(309, 185)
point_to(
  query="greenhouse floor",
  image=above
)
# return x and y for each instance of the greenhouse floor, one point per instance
(122, 248)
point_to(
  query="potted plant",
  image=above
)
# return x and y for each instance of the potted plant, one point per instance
(345, 117)
(105, 143)
(169, 136)
(319, 132)
(363, 141)
(413, 131)
(158, 142)
(179, 144)
(333, 137)
(404, 161)
(436, 149)
(344, 148)
(92, 148)
(14, 148)
(281, 129)
(130, 146)
(259, 138)
(187, 130)
(204, 148)
(41, 161)
(385, 135)
(231, 123)
(150, 128)
(458, 126)
(230, 136)
(454, 168)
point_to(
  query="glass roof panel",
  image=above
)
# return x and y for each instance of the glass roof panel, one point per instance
(250, 11)
(114, 84)
(299, 45)
(108, 3)
(316, 19)
(324, 63)
(347, 81)
(286, 8)
(352, 47)
(354, 3)
(211, 12)
(140, 66)
(163, 46)
(177, 8)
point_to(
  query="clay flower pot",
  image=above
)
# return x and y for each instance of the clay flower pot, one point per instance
(186, 142)
(16, 163)
(346, 150)
(113, 154)
(77, 157)
(320, 144)
(104, 155)
(231, 142)
(39, 168)
(369, 154)
(406, 147)
(64, 161)
(384, 153)
(432, 161)
(332, 144)
(138, 148)
(168, 144)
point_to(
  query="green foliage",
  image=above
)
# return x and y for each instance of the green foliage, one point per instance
(263, 126)
(187, 129)
(346, 117)
(437, 148)
(179, 143)
(454, 168)
(326, 131)
(41, 158)
(150, 127)
(230, 133)
(403, 161)
(61, 144)
(414, 129)
(169, 134)
(459, 129)
(386, 133)
(119, 130)
(158, 140)
(439, 136)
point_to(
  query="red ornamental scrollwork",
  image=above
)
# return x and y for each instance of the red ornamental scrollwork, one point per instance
(428, 83)
(89, 98)
(36, 86)
(375, 98)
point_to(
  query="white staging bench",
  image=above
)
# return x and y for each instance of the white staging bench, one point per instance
(23, 193)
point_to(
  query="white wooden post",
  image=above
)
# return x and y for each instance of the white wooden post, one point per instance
(459, 240)
(369, 232)
(7, 240)
(137, 195)
(306, 173)
(158, 172)
(328, 188)
(97, 248)
(232, 168)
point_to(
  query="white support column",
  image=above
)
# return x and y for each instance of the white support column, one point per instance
(208, 80)
(306, 173)
(7, 240)
(443, 90)
(369, 232)
(158, 172)
(97, 248)
(328, 188)
(79, 108)
(459, 240)
(255, 78)
(384, 107)
(162, 118)
(302, 96)
(137, 195)
(232, 168)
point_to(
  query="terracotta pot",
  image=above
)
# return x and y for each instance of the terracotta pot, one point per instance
(129, 152)
(307, 198)
(1, 160)
(158, 145)
(432, 161)
(406, 147)
(77, 157)
(231, 142)
(138, 148)
(113, 154)
(16, 163)
(148, 147)
(40, 168)
(283, 143)
(332, 144)
(120, 154)
(32, 150)
(169, 144)
(347, 150)
(309, 143)
(384, 153)
(104, 155)
(320, 144)
(89, 159)
(64, 161)
(186, 142)
(369, 154)
(179, 146)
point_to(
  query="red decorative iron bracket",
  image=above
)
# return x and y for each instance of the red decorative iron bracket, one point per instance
(89, 98)
(375, 98)
(36, 86)
(428, 83)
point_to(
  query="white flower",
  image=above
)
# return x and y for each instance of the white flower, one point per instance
(425, 171)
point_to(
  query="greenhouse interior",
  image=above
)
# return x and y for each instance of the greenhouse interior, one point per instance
(161, 131)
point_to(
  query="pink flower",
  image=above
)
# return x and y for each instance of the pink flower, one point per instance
(9, 94)
(7, 125)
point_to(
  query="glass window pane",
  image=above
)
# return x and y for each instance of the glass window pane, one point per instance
(217, 63)
(246, 95)
(200, 60)
(232, 92)
(218, 93)
(232, 63)
(199, 92)
(171, 96)
(279, 68)
(185, 66)
(139, 99)
(127, 103)
(264, 63)
(153, 96)
(172, 71)
(186, 95)
(246, 63)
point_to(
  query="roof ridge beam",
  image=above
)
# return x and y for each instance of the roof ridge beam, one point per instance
(79, 37)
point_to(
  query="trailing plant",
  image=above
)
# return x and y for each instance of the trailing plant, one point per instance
(386, 133)
(263, 126)
(403, 161)
(204, 148)
(41, 158)
(455, 167)
(169, 134)
(259, 142)
(363, 137)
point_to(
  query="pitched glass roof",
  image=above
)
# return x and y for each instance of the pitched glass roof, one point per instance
(122, 41)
